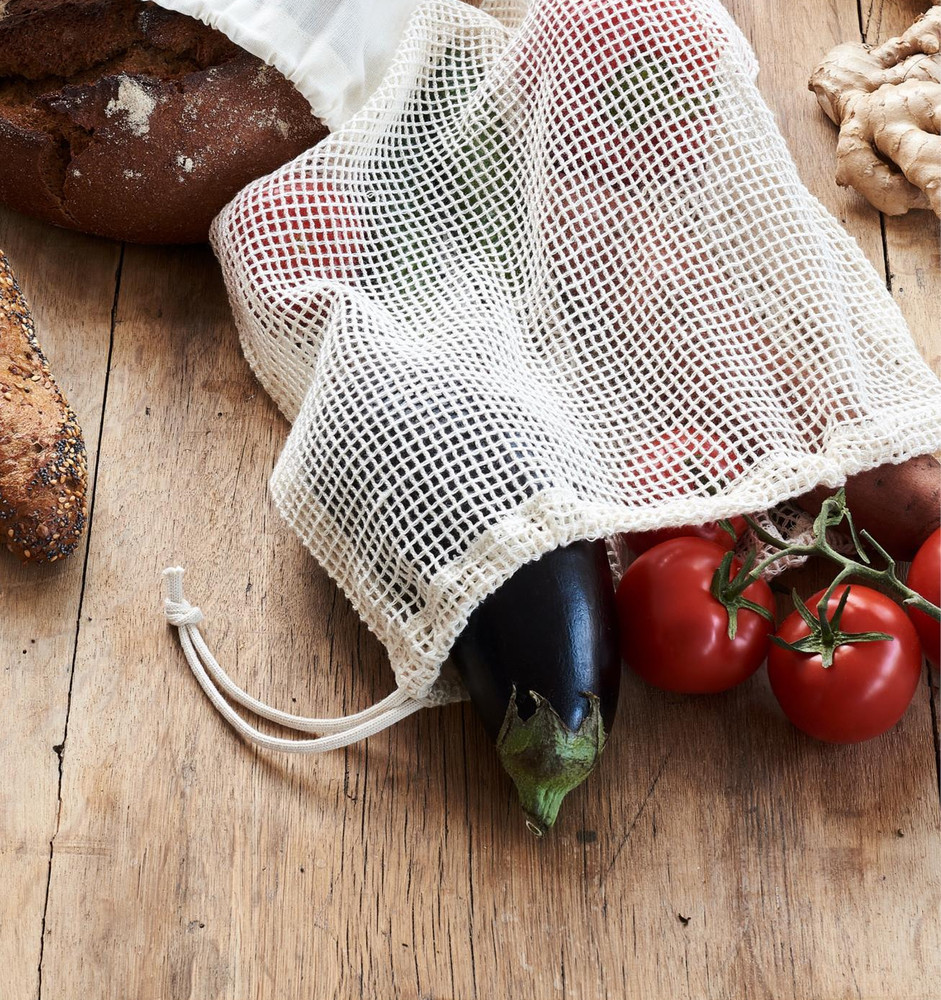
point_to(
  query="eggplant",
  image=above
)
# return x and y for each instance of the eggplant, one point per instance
(541, 662)
(539, 656)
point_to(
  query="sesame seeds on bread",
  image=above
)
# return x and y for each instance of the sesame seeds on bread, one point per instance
(43, 468)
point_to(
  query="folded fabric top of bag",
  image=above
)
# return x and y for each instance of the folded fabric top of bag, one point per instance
(334, 51)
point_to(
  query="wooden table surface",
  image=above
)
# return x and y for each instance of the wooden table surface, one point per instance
(146, 853)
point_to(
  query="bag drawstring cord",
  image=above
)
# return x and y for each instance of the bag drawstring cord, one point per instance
(334, 733)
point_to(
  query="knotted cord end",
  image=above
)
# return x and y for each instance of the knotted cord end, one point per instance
(178, 610)
(216, 683)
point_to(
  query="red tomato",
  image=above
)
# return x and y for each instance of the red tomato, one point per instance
(689, 461)
(869, 685)
(623, 78)
(925, 577)
(674, 633)
(300, 231)
(310, 229)
(712, 531)
(686, 459)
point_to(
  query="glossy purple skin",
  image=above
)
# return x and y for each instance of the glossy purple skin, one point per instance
(551, 628)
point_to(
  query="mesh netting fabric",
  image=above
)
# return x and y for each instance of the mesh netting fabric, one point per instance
(557, 279)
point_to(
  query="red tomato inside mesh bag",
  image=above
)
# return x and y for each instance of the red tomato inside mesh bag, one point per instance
(541, 239)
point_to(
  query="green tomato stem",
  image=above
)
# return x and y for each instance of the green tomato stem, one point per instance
(731, 593)
(833, 512)
(824, 633)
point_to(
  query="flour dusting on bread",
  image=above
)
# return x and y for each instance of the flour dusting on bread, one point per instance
(135, 122)
(134, 101)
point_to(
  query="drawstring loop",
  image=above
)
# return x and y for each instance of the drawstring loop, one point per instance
(333, 732)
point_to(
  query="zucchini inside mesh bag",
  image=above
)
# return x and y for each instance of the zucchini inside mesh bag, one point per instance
(542, 238)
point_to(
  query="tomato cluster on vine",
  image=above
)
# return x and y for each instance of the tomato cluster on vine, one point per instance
(843, 666)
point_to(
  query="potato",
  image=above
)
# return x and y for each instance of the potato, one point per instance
(899, 505)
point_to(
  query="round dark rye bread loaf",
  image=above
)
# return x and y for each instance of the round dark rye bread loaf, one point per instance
(122, 119)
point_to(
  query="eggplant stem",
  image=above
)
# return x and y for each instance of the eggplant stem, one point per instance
(546, 759)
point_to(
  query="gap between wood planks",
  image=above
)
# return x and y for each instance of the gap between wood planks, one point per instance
(59, 748)
(934, 696)
(866, 28)
(870, 29)
(869, 26)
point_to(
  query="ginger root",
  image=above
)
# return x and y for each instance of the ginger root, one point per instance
(887, 103)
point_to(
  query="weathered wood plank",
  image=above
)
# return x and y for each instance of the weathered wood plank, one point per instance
(69, 281)
(912, 241)
(912, 246)
(167, 822)
(717, 853)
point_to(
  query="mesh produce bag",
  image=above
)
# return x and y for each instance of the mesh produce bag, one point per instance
(554, 277)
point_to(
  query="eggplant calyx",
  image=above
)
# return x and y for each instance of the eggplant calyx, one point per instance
(545, 758)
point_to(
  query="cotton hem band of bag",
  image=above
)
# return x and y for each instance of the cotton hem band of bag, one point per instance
(556, 278)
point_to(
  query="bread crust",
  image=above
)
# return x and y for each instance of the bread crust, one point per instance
(43, 465)
(122, 119)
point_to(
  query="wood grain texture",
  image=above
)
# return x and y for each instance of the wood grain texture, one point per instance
(717, 853)
(70, 282)
(912, 241)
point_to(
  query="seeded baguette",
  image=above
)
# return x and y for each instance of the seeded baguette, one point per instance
(43, 467)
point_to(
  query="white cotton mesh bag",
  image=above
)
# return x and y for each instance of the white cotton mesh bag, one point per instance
(552, 276)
